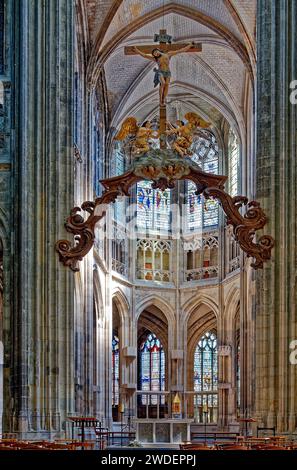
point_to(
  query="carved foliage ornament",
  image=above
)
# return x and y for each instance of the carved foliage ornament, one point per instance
(164, 173)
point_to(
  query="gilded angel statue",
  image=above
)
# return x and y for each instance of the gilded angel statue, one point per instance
(184, 133)
(141, 135)
(183, 140)
(195, 121)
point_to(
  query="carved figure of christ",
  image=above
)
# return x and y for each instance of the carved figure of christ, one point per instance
(162, 72)
(161, 55)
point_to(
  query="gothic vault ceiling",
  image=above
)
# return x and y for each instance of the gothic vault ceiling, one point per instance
(215, 82)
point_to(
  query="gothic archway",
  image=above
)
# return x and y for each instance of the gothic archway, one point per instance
(202, 321)
(116, 359)
(152, 364)
(205, 375)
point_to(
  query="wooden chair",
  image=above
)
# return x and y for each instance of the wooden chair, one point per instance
(198, 448)
(276, 447)
(222, 445)
(195, 447)
(75, 444)
(30, 447)
(26, 445)
(293, 446)
(234, 447)
(257, 446)
(53, 446)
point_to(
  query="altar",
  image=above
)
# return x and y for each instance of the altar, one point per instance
(163, 432)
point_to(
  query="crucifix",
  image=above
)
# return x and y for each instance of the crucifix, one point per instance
(161, 55)
(208, 184)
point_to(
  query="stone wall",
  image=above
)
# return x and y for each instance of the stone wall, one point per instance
(6, 191)
(38, 329)
(275, 309)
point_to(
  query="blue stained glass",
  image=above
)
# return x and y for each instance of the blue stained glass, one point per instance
(205, 364)
(152, 373)
(234, 163)
(153, 208)
(210, 213)
(201, 212)
(194, 207)
(141, 197)
(118, 168)
(115, 371)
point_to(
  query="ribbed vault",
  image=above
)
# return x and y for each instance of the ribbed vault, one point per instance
(214, 83)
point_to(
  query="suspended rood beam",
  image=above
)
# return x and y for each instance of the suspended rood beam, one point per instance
(129, 50)
(207, 184)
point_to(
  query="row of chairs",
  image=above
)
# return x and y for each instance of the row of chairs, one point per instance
(243, 445)
(15, 444)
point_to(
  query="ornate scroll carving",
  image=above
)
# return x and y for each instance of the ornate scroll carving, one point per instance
(164, 175)
(84, 229)
(245, 226)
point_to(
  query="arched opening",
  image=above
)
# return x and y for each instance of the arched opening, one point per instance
(170, 241)
(116, 362)
(202, 214)
(206, 378)
(152, 365)
(237, 360)
(202, 365)
(152, 368)
(153, 209)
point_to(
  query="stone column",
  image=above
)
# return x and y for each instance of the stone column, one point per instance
(42, 381)
(247, 336)
(1, 385)
(276, 327)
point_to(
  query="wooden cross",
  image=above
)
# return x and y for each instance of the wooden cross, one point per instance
(164, 44)
(162, 39)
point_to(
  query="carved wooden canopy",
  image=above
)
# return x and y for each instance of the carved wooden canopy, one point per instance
(245, 217)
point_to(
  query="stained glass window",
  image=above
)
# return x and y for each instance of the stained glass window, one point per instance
(238, 373)
(118, 168)
(153, 208)
(152, 368)
(206, 370)
(201, 212)
(234, 163)
(115, 371)
(97, 148)
(194, 207)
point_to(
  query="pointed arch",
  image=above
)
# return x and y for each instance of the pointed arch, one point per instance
(231, 304)
(156, 324)
(159, 302)
(204, 321)
(107, 20)
(200, 320)
(122, 304)
(98, 57)
(232, 112)
(195, 302)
